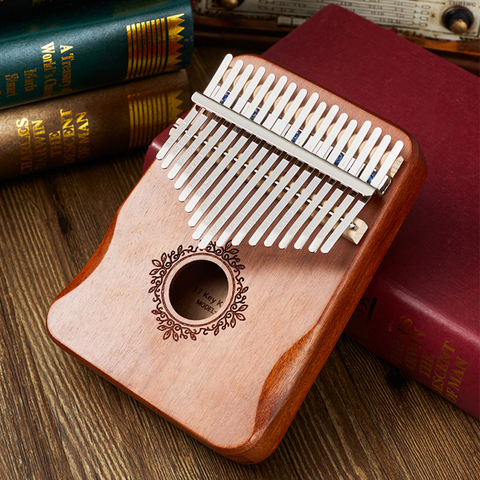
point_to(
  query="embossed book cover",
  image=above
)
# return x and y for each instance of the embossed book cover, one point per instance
(92, 45)
(422, 310)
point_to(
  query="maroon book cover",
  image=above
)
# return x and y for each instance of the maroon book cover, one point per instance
(421, 311)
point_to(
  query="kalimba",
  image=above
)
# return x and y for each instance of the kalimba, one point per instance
(232, 268)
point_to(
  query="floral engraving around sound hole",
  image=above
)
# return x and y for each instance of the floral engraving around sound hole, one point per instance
(188, 309)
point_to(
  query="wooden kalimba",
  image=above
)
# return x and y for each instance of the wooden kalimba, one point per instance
(218, 309)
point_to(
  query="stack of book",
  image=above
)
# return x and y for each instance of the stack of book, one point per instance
(80, 80)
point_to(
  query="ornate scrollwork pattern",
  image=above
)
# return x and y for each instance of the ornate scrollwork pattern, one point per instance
(171, 327)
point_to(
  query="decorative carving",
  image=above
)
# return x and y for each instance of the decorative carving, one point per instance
(230, 314)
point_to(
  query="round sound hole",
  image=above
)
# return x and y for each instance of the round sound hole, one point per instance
(199, 290)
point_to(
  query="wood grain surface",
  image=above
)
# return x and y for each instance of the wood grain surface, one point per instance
(362, 418)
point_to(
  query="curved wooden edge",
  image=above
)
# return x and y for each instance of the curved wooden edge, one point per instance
(93, 263)
(102, 249)
(88, 269)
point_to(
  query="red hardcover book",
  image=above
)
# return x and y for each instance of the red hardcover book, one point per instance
(421, 311)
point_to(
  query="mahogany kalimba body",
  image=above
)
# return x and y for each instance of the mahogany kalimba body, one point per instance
(232, 268)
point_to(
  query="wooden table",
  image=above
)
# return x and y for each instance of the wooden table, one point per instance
(363, 418)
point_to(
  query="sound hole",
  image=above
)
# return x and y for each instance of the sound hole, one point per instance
(199, 290)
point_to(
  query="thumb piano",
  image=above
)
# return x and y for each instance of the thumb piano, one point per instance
(232, 268)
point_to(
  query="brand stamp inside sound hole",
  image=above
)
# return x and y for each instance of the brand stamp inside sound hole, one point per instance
(199, 290)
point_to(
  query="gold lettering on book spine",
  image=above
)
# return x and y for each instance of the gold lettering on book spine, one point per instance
(151, 112)
(153, 46)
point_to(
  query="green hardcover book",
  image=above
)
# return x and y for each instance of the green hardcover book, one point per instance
(92, 45)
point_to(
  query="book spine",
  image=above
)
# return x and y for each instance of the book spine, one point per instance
(71, 58)
(89, 125)
(435, 350)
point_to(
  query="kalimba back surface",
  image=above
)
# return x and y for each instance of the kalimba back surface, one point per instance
(230, 271)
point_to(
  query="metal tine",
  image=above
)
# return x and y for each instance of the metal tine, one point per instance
(314, 141)
(226, 197)
(240, 142)
(329, 203)
(271, 138)
(352, 150)
(297, 124)
(330, 224)
(283, 202)
(305, 135)
(250, 109)
(237, 89)
(281, 124)
(194, 126)
(370, 167)
(267, 183)
(363, 155)
(238, 163)
(216, 172)
(193, 147)
(297, 185)
(277, 89)
(280, 187)
(253, 200)
(199, 157)
(218, 75)
(387, 165)
(191, 115)
(241, 104)
(261, 114)
(344, 224)
(215, 175)
(340, 145)
(299, 202)
(305, 215)
(249, 90)
(187, 121)
(325, 146)
(219, 96)
(277, 111)
(212, 142)
(282, 183)
(340, 212)
(317, 219)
